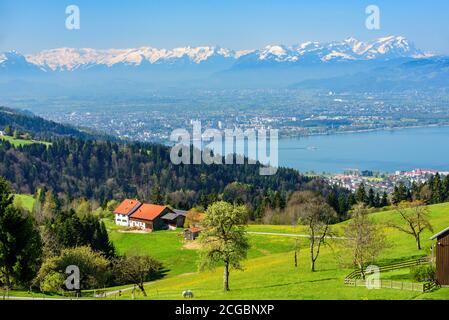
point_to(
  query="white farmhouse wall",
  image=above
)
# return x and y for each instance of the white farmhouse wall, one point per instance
(121, 220)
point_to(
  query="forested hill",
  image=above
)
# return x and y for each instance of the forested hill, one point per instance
(41, 129)
(103, 170)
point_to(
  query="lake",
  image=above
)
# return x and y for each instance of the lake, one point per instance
(385, 151)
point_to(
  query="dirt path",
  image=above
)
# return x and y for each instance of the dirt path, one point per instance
(295, 235)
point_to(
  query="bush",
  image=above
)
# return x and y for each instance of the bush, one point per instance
(53, 283)
(424, 273)
(94, 269)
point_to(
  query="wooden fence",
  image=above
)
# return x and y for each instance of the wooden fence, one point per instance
(387, 284)
(355, 278)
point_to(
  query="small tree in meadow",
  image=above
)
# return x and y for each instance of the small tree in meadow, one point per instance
(317, 215)
(364, 238)
(415, 219)
(136, 270)
(224, 238)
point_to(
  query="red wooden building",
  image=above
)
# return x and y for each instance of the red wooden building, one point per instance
(149, 217)
(442, 256)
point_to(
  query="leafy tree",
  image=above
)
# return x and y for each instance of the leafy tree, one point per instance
(83, 208)
(136, 270)
(317, 215)
(224, 238)
(20, 242)
(365, 239)
(112, 205)
(193, 219)
(50, 206)
(51, 247)
(415, 216)
(53, 283)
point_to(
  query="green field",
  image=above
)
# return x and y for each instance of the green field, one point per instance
(269, 272)
(170, 248)
(24, 200)
(21, 142)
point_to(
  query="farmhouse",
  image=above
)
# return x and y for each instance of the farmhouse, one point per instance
(442, 256)
(133, 213)
(149, 217)
(124, 210)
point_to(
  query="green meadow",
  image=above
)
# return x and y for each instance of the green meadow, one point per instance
(21, 142)
(269, 272)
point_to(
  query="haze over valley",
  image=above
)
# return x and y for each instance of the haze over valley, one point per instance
(310, 88)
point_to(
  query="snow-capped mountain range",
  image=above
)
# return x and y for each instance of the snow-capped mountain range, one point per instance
(351, 49)
(386, 63)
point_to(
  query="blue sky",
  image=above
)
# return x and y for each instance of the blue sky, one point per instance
(29, 26)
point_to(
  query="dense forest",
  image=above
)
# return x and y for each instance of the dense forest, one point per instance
(102, 169)
(434, 190)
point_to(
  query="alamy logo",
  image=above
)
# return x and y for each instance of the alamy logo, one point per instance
(372, 22)
(72, 22)
(73, 280)
(212, 145)
(372, 277)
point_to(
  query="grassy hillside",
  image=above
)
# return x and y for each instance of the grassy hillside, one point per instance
(269, 271)
(21, 142)
(181, 256)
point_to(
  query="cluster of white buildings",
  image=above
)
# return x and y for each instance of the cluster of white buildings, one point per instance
(385, 182)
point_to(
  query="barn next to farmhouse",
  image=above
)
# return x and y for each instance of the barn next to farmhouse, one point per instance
(442, 257)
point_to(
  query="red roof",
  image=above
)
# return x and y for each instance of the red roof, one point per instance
(148, 212)
(127, 207)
